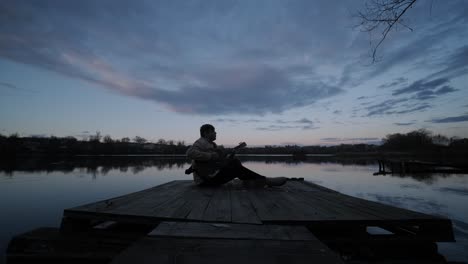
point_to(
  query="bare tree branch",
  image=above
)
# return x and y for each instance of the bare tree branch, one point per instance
(383, 14)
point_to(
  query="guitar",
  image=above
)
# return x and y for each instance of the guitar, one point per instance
(235, 149)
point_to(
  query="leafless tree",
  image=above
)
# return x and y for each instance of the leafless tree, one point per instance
(139, 140)
(383, 16)
(95, 138)
(108, 139)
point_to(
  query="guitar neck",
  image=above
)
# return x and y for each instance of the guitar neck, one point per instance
(241, 145)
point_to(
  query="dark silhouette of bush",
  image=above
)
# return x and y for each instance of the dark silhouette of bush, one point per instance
(419, 142)
(415, 140)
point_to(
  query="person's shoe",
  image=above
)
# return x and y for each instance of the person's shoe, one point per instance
(276, 181)
(295, 179)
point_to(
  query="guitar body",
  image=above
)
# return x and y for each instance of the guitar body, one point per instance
(212, 166)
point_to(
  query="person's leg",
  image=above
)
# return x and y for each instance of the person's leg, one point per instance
(233, 169)
(242, 172)
(254, 178)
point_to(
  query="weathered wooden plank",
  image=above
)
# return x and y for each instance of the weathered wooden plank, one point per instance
(232, 231)
(357, 206)
(189, 204)
(270, 206)
(219, 207)
(146, 205)
(312, 208)
(242, 210)
(226, 251)
(303, 209)
(330, 210)
(109, 204)
(174, 206)
(198, 206)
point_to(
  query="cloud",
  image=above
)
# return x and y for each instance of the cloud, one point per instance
(13, 87)
(454, 65)
(253, 120)
(420, 86)
(330, 139)
(304, 124)
(299, 121)
(428, 94)
(227, 120)
(285, 127)
(277, 125)
(337, 112)
(419, 91)
(451, 119)
(384, 107)
(211, 58)
(204, 73)
(248, 89)
(394, 83)
(303, 121)
(8, 85)
(357, 140)
(417, 108)
(405, 124)
(429, 39)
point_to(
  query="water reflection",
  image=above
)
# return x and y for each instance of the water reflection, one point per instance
(102, 165)
(135, 164)
(91, 164)
(41, 188)
(425, 177)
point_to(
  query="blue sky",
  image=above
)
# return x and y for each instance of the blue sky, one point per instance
(265, 72)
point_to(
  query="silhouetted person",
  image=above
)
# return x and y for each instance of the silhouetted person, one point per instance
(212, 167)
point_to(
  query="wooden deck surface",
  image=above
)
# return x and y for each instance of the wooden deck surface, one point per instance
(189, 242)
(296, 203)
(178, 222)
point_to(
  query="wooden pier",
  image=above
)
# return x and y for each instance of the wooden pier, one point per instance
(402, 166)
(299, 222)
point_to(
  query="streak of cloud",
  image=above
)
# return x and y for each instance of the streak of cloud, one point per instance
(286, 127)
(356, 140)
(421, 85)
(404, 123)
(8, 85)
(394, 83)
(451, 119)
(13, 87)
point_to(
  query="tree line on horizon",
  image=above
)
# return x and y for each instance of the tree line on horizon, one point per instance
(414, 141)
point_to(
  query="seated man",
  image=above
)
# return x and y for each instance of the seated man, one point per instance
(212, 168)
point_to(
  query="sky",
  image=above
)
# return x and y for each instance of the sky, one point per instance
(266, 72)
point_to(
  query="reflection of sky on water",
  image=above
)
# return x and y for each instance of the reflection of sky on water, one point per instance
(459, 191)
(443, 195)
(32, 197)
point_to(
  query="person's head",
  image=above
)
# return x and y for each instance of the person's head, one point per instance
(208, 131)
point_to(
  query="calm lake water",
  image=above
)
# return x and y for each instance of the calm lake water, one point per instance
(33, 193)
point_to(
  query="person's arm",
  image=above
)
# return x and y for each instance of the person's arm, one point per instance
(196, 152)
